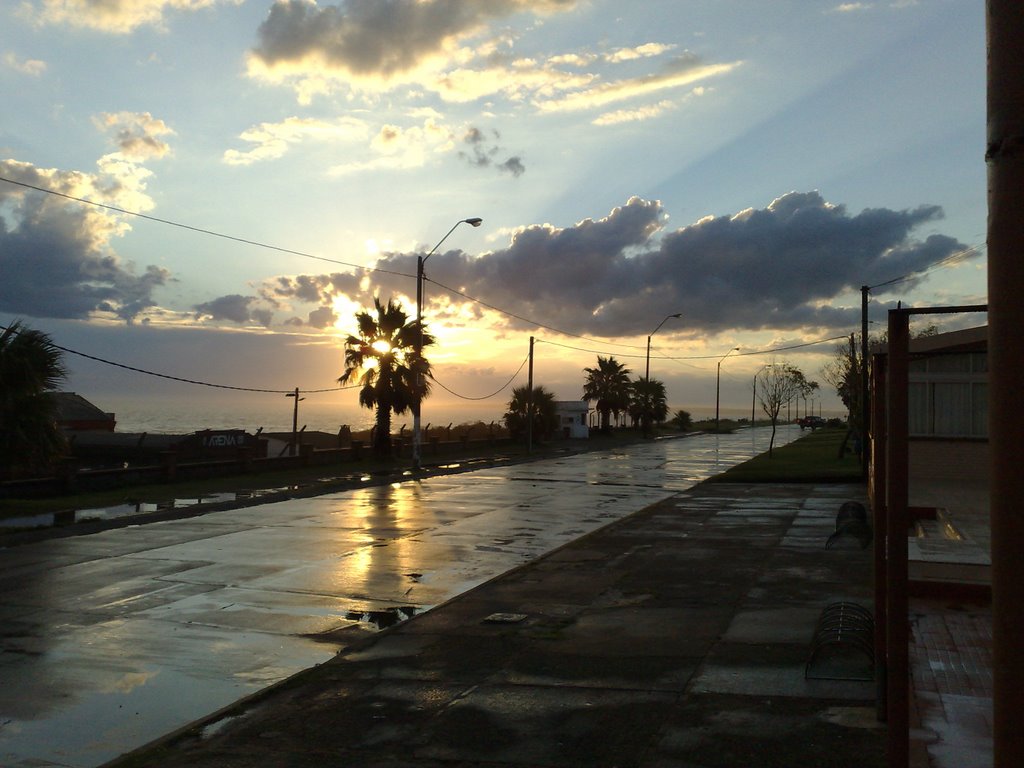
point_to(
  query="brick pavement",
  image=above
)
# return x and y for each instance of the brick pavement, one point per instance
(951, 668)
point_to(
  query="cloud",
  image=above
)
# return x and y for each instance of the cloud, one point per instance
(644, 51)
(851, 7)
(482, 154)
(31, 67)
(234, 308)
(112, 16)
(272, 140)
(136, 134)
(399, 148)
(635, 115)
(55, 254)
(373, 40)
(779, 267)
(685, 70)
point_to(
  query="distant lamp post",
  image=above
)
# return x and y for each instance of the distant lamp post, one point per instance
(420, 261)
(647, 370)
(718, 381)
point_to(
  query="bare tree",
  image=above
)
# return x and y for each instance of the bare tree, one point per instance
(777, 384)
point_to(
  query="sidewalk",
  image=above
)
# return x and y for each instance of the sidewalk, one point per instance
(675, 637)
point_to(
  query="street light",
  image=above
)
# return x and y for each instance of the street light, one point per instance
(420, 261)
(718, 380)
(647, 371)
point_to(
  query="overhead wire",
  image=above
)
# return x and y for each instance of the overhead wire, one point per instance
(486, 397)
(952, 258)
(534, 323)
(704, 357)
(203, 231)
(195, 381)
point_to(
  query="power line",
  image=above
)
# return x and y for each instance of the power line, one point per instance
(202, 231)
(952, 258)
(487, 397)
(194, 381)
(534, 323)
(705, 357)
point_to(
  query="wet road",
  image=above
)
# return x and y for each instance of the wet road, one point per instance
(113, 639)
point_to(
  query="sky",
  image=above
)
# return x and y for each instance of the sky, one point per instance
(257, 171)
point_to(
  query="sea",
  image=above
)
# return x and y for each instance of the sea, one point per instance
(177, 416)
(174, 416)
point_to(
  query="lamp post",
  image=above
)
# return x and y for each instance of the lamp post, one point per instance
(647, 370)
(420, 261)
(718, 381)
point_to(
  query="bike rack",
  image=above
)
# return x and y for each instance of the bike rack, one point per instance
(843, 625)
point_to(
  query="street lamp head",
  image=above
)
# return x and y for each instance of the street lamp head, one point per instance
(475, 221)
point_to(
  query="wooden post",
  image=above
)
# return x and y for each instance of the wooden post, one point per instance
(1005, 156)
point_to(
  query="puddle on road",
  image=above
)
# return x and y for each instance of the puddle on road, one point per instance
(133, 508)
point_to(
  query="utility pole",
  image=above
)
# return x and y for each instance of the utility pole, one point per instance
(295, 421)
(529, 403)
(865, 409)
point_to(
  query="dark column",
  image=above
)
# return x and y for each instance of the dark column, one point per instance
(896, 503)
(1005, 157)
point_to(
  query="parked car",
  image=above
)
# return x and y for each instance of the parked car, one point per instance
(811, 422)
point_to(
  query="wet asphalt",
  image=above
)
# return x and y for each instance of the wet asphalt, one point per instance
(629, 607)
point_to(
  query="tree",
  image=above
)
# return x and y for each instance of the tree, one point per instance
(777, 384)
(648, 403)
(383, 359)
(31, 367)
(843, 372)
(608, 385)
(682, 420)
(545, 415)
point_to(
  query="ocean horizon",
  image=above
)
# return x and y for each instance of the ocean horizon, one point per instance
(161, 415)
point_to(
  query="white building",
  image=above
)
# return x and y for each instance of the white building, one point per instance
(572, 418)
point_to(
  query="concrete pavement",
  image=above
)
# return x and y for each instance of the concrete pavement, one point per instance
(675, 637)
(116, 638)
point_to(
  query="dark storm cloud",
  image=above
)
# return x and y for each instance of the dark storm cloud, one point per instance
(376, 37)
(55, 262)
(234, 308)
(778, 267)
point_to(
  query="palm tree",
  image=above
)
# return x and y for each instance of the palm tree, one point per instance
(648, 403)
(545, 414)
(30, 368)
(383, 359)
(609, 385)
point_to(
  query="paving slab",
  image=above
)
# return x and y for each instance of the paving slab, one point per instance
(616, 649)
(124, 635)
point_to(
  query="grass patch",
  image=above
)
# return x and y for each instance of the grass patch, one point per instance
(813, 458)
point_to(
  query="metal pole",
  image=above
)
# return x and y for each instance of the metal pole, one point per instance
(877, 494)
(529, 403)
(865, 392)
(753, 400)
(417, 402)
(718, 379)
(897, 514)
(647, 370)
